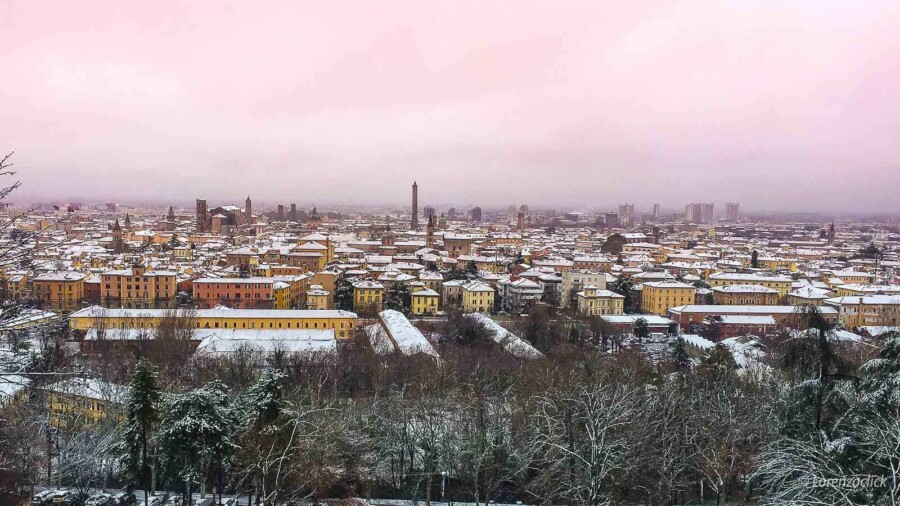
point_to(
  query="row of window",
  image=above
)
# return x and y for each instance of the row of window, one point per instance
(272, 325)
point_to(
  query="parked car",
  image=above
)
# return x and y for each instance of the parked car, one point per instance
(42, 498)
(154, 500)
(76, 499)
(61, 496)
(123, 499)
(206, 501)
(98, 500)
(175, 500)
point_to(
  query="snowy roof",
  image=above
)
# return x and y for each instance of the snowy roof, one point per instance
(747, 320)
(60, 276)
(744, 289)
(406, 338)
(25, 317)
(509, 341)
(810, 292)
(99, 312)
(294, 341)
(877, 330)
(867, 299)
(10, 385)
(477, 286)
(89, 388)
(836, 334)
(311, 245)
(668, 284)
(368, 285)
(729, 309)
(746, 351)
(631, 318)
(242, 281)
(698, 341)
(734, 276)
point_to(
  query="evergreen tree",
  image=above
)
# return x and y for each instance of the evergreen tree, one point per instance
(754, 259)
(680, 356)
(399, 298)
(197, 435)
(623, 287)
(263, 402)
(141, 415)
(457, 274)
(881, 382)
(343, 295)
(718, 364)
(641, 329)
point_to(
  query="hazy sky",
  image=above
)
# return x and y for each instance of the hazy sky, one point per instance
(791, 105)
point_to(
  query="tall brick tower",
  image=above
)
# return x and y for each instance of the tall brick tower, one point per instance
(202, 216)
(414, 225)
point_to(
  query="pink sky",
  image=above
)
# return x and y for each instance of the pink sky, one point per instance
(778, 105)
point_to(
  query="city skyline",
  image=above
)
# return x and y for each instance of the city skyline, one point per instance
(787, 107)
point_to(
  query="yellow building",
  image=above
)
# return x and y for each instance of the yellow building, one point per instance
(745, 295)
(477, 297)
(282, 293)
(849, 277)
(97, 317)
(16, 285)
(864, 290)
(425, 302)
(78, 401)
(780, 283)
(368, 294)
(657, 297)
(777, 263)
(317, 297)
(323, 240)
(432, 280)
(594, 301)
(877, 310)
(62, 291)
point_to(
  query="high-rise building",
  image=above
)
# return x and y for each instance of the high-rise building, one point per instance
(202, 216)
(655, 211)
(611, 220)
(280, 214)
(451, 214)
(414, 223)
(732, 212)
(699, 213)
(626, 214)
(696, 213)
(292, 215)
(709, 215)
(427, 212)
(476, 214)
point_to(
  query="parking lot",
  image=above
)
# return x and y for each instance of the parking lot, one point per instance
(64, 496)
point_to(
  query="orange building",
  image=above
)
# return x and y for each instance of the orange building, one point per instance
(236, 293)
(62, 291)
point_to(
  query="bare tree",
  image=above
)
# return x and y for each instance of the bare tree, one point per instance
(582, 441)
